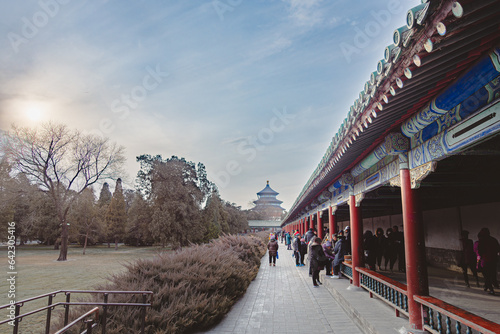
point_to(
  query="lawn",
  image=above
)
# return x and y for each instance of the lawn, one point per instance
(38, 273)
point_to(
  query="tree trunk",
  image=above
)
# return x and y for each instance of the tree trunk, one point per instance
(63, 254)
(85, 243)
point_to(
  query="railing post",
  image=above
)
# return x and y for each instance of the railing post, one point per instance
(89, 323)
(66, 308)
(143, 313)
(104, 314)
(49, 313)
(16, 321)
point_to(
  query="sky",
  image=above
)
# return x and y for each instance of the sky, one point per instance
(254, 90)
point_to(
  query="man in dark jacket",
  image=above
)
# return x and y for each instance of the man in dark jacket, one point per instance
(296, 249)
(318, 260)
(309, 235)
(340, 250)
(272, 246)
(327, 249)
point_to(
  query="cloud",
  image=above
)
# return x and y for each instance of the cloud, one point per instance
(305, 12)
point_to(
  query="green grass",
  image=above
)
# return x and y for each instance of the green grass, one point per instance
(38, 273)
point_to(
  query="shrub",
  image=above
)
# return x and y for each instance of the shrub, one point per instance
(193, 288)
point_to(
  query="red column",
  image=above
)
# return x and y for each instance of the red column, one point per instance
(331, 222)
(301, 226)
(304, 225)
(320, 226)
(416, 267)
(356, 239)
(311, 221)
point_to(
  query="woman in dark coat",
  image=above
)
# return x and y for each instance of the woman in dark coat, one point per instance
(390, 250)
(370, 249)
(340, 250)
(318, 260)
(272, 246)
(380, 246)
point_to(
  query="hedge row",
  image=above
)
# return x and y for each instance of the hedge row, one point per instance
(193, 288)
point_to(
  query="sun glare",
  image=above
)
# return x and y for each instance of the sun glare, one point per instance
(34, 114)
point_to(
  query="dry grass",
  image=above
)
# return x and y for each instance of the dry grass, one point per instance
(40, 273)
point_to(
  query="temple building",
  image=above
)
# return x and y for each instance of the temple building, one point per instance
(268, 205)
(268, 209)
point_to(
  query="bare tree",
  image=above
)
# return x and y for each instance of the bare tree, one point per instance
(63, 163)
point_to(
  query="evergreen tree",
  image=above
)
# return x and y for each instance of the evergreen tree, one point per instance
(116, 215)
(138, 221)
(85, 224)
(105, 196)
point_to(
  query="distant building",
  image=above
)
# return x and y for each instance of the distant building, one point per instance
(268, 210)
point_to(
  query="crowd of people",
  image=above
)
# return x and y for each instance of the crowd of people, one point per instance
(382, 248)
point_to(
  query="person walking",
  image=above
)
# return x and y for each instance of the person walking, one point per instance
(380, 245)
(399, 242)
(318, 260)
(487, 249)
(288, 241)
(467, 258)
(272, 246)
(390, 250)
(303, 251)
(369, 249)
(296, 249)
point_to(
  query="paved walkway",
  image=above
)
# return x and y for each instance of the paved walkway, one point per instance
(282, 299)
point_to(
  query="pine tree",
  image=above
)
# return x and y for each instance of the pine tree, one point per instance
(116, 215)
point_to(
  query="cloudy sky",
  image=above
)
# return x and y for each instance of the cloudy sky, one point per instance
(253, 89)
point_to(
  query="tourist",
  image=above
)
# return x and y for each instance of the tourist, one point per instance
(310, 234)
(340, 250)
(380, 246)
(327, 249)
(399, 242)
(296, 249)
(370, 249)
(347, 234)
(272, 246)
(467, 258)
(390, 250)
(318, 260)
(288, 241)
(303, 251)
(487, 249)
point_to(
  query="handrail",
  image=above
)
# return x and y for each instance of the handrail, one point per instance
(388, 290)
(345, 272)
(463, 317)
(386, 280)
(54, 293)
(15, 317)
(80, 318)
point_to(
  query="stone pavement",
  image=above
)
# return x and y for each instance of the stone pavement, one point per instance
(282, 299)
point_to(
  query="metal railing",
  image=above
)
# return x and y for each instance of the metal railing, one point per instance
(434, 311)
(84, 317)
(390, 291)
(346, 270)
(15, 316)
